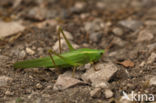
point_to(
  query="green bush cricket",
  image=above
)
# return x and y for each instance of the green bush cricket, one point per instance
(73, 58)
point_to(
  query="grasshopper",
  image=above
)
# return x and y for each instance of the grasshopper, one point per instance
(73, 58)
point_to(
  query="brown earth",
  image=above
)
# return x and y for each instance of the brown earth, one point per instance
(35, 85)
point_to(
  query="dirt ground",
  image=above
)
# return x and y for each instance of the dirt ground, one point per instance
(92, 24)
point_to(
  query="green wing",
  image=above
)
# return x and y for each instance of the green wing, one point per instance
(72, 58)
(42, 62)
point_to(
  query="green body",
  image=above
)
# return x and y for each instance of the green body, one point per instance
(71, 58)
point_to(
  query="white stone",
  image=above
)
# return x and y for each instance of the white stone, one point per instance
(150, 22)
(22, 54)
(30, 51)
(9, 93)
(145, 35)
(153, 81)
(118, 41)
(108, 93)
(10, 28)
(95, 92)
(94, 26)
(142, 64)
(100, 5)
(152, 58)
(87, 66)
(64, 82)
(101, 84)
(4, 80)
(152, 46)
(131, 24)
(68, 35)
(95, 36)
(118, 31)
(104, 73)
(79, 5)
(77, 74)
(39, 86)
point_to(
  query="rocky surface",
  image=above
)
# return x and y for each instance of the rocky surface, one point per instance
(125, 28)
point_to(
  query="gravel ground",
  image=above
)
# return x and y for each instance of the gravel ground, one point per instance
(29, 30)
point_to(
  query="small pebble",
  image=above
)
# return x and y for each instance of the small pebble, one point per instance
(56, 45)
(32, 95)
(68, 35)
(22, 54)
(37, 13)
(108, 93)
(4, 80)
(9, 93)
(95, 92)
(142, 64)
(79, 6)
(150, 23)
(84, 15)
(118, 31)
(87, 66)
(95, 36)
(100, 5)
(39, 86)
(10, 28)
(118, 41)
(64, 82)
(3, 58)
(103, 74)
(152, 58)
(30, 51)
(131, 24)
(101, 85)
(145, 35)
(94, 25)
(152, 46)
(77, 74)
(153, 81)
(40, 50)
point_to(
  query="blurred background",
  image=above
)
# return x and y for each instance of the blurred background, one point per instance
(28, 29)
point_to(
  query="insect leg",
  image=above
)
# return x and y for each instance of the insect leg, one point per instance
(59, 37)
(66, 60)
(73, 73)
(52, 59)
(108, 47)
(92, 63)
(60, 30)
